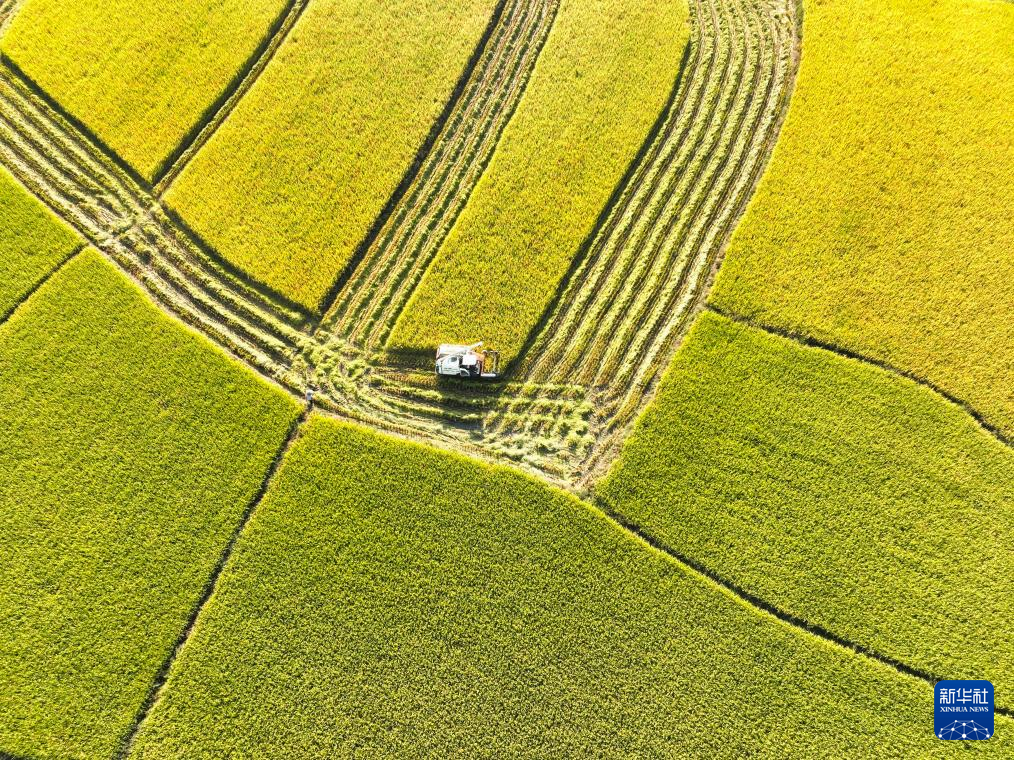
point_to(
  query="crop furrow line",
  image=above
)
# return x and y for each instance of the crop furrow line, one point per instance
(678, 141)
(72, 177)
(669, 230)
(34, 171)
(666, 255)
(180, 303)
(669, 336)
(759, 604)
(614, 249)
(641, 278)
(35, 157)
(410, 177)
(626, 398)
(37, 183)
(683, 203)
(470, 160)
(209, 268)
(425, 229)
(38, 286)
(7, 10)
(721, 219)
(431, 228)
(196, 278)
(66, 138)
(577, 298)
(146, 258)
(224, 105)
(21, 124)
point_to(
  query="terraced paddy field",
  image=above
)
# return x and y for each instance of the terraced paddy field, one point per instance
(242, 516)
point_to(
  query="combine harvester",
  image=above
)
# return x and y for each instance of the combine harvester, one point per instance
(467, 362)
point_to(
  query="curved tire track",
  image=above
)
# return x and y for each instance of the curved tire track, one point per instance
(629, 302)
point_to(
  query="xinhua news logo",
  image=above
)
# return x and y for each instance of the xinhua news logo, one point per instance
(963, 710)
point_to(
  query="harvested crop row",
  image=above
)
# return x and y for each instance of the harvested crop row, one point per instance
(600, 83)
(88, 190)
(542, 424)
(139, 73)
(7, 10)
(376, 291)
(292, 182)
(130, 449)
(643, 280)
(415, 622)
(658, 243)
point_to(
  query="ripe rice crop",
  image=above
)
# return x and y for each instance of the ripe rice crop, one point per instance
(883, 224)
(32, 243)
(600, 83)
(130, 449)
(138, 73)
(295, 177)
(388, 600)
(850, 497)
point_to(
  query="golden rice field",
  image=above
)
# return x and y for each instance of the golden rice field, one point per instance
(600, 83)
(883, 224)
(139, 74)
(290, 184)
(743, 486)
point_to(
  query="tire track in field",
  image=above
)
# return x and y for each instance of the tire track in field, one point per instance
(115, 213)
(377, 289)
(628, 302)
(8, 9)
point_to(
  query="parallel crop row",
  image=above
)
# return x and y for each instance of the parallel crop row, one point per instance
(366, 308)
(646, 274)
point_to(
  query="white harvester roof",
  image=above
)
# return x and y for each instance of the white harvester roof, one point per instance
(449, 349)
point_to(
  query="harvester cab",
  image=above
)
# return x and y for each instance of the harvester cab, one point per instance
(468, 362)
